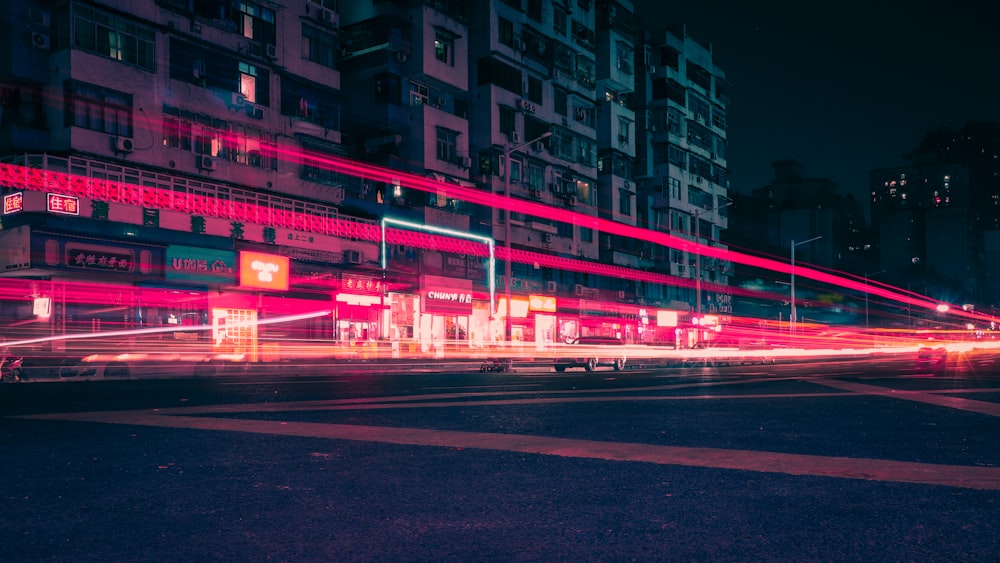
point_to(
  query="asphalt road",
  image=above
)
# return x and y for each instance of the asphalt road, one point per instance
(834, 461)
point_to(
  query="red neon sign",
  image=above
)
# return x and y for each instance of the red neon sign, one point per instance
(13, 203)
(62, 204)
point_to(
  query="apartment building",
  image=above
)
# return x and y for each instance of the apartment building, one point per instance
(681, 166)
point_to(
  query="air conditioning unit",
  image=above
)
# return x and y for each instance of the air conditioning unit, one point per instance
(352, 256)
(271, 51)
(519, 45)
(621, 295)
(555, 73)
(41, 40)
(572, 201)
(124, 144)
(329, 17)
(535, 193)
(401, 56)
(547, 237)
(255, 111)
(578, 289)
(552, 286)
(515, 137)
(237, 100)
(205, 162)
(554, 187)
(466, 162)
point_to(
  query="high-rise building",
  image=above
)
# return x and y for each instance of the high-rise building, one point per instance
(936, 220)
(681, 163)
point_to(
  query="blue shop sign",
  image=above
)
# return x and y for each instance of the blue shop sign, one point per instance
(200, 265)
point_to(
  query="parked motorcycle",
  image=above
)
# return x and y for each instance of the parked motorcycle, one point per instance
(495, 364)
(11, 370)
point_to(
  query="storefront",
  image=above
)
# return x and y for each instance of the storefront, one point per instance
(446, 307)
(360, 303)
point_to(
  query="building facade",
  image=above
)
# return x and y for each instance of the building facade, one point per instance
(348, 153)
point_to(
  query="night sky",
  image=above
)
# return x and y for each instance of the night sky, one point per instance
(842, 87)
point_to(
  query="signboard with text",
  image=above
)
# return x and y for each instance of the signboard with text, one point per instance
(200, 265)
(12, 203)
(94, 256)
(263, 271)
(62, 204)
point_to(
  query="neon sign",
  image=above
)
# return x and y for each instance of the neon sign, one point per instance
(62, 204)
(13, 203)
(263, 271)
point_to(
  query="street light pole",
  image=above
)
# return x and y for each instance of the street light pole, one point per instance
(867, 275)
(793, 317)
(697, 255)
(507, 149)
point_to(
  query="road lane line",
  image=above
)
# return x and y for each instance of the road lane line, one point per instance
(929, 397)
(970, 477)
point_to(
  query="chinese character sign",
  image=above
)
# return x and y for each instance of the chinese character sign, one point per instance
(13, 203)
(62, 204)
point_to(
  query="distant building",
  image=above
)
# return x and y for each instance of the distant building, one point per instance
(796, 207)
(936, 220)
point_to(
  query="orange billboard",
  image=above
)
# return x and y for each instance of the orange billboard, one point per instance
(263, 271)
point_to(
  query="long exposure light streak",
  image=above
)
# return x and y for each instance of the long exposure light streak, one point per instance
(20, 177)
(170, 329)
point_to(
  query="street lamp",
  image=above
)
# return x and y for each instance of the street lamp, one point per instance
(867, 275)
(507, 149)
(697, 256)
(792, 318)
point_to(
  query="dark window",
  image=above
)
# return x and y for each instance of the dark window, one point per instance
(114, 37)
(388, 89)
(98, 108)
(505, 31)
(318, 46)
(534, 90)
(505, 76)
(310, 103)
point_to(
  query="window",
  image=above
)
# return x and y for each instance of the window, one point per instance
(625, 202)
(501, 74)
(98, 108)
(559, 21)
(506, 119)
(560, 101)
(418, 94)
(587, 152)
(254, 90)
(623, 52)
(256, 22)
(534, 90)
(114, 37)
(444, 46)
(209, 136)
(536, 176)
(534, 10)
(505, 31)
(447, 144)
(699, 107)
(309, 102)
(624, 126)
(315, 151)
(387, 89)
(210, 68)
(318, 46)
(586, 234)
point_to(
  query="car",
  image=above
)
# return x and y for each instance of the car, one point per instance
(934, 358)
(600, 351)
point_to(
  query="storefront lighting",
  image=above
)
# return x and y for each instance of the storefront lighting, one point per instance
(489, 242)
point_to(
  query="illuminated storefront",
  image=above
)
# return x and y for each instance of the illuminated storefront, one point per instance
(359, 309)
